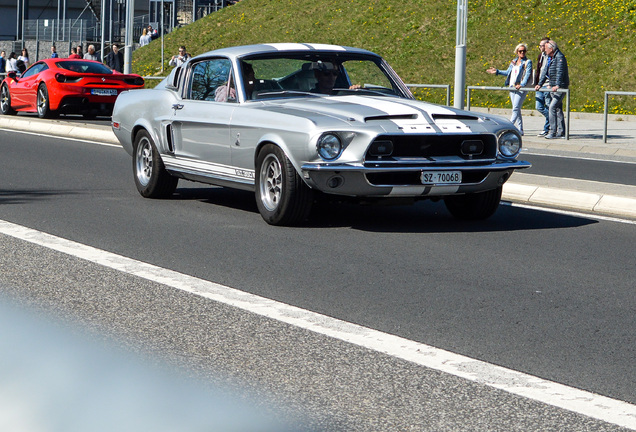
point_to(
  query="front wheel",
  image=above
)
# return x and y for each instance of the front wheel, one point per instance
(282, 196)
(5, 101)
(474, 206)
(151, 178)
(43, 102)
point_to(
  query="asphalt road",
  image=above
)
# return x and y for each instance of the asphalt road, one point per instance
(541, 293)
(582, 169)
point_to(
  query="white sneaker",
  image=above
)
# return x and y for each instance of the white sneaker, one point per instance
(543, 133)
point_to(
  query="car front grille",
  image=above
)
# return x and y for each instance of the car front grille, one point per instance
(431, 149)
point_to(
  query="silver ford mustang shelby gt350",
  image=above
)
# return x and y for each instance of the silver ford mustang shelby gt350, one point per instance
(295, 122)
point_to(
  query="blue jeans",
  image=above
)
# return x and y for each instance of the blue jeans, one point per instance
(542, 103)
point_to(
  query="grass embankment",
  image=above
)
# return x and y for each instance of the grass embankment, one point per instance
(418, 39)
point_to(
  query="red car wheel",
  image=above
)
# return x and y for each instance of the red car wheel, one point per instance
(5, 101)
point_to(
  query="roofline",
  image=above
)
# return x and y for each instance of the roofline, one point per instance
(240, 51)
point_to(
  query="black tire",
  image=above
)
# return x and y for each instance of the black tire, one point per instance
(474, 206)
(5, 101)
(43, 102)
(282, 196)
(151, 178)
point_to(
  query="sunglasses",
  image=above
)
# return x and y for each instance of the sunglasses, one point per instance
(521, 51)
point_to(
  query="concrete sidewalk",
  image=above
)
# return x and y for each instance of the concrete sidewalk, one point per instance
(586, 140)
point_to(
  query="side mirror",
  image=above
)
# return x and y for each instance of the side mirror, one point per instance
(12, 75)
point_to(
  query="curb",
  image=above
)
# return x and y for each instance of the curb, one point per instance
(51, 127)
(587, 202)
(528, 192)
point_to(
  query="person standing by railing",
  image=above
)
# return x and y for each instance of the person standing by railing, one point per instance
(542, 98)
(517, 75)
(556, 73)
(3, 61)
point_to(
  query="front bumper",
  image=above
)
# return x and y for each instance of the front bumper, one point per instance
(392, 181)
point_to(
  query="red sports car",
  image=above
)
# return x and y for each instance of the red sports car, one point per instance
(69, 86)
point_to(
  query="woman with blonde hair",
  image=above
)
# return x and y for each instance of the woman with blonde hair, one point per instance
(517, 75)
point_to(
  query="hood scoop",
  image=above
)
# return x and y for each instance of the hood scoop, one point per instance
(454, 117)
(391, 117)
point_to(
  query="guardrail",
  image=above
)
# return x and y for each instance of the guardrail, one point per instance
(527, 89)
(606, 108)
(446, 86)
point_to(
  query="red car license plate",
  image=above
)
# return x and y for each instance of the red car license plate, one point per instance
(104, 92)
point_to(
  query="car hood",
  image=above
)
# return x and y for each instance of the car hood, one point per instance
(391, 114)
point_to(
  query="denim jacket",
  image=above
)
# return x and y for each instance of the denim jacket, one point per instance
(524, 74)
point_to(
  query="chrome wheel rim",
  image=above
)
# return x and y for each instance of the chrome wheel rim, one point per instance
(42, 96)
(271, 179)
(5, 99)
(143, 161)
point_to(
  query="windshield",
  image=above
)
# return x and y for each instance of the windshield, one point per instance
(315, 75)
(83, 66)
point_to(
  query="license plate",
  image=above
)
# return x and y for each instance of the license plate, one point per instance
(441, 177)
(104, 92)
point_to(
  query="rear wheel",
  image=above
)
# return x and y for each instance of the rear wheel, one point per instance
(474, 206)
(282, 196)
(151, 178)
(5, 101)
(44, 108)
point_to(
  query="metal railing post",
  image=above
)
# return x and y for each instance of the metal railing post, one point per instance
(605, 110)
(567, 124)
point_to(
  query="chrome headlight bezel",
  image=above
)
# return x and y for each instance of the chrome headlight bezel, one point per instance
(509, 144)
(329, 146)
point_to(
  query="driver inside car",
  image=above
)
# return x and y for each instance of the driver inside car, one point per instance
(326, 74)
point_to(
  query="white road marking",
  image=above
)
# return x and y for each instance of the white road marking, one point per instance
(589, 404)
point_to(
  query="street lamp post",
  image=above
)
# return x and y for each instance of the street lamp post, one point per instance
(128, 39)
(460, 53)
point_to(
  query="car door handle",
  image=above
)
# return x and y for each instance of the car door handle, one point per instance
(177, 107)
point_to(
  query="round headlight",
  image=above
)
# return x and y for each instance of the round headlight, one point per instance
(329, 146)
(509, 144)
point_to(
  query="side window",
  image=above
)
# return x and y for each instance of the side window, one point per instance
(35, 69)
(211, 80)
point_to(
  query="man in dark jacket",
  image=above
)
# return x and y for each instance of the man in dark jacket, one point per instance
(542, 98)
(115, 59)
(556, 73)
